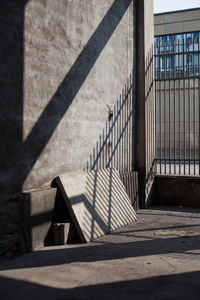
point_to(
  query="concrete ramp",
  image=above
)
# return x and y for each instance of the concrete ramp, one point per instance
(97, 202)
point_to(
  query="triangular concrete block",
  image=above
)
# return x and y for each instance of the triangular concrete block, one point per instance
(97, 202)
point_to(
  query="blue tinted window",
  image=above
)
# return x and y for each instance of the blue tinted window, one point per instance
(183, 64)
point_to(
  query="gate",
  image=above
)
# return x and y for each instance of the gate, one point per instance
(177, 96)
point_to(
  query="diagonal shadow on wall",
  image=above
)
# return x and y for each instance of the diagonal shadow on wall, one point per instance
(24, 155)
(17, 157)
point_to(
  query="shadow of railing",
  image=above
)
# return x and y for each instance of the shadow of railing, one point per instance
(150, 121)
(107, 204)
(115, 145)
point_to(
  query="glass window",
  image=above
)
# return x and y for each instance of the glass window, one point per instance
(189, 61)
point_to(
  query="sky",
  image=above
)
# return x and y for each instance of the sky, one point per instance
(171, 5)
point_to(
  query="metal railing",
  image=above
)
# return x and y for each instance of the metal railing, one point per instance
(177, 91)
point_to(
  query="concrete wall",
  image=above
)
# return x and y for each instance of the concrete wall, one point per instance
(177, 22)
(64, 66)
(145, 100)
(63, 63)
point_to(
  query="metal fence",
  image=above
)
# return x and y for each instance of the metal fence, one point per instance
(114, 147)
(177, 91)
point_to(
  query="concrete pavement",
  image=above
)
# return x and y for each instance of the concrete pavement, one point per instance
(157, 257)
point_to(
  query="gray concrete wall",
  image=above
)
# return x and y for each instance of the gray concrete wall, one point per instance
(25, 220)
(145, 100)
(177, 22)
(63, 63)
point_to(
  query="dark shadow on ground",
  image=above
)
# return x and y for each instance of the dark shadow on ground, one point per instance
(180, 208)
(178, 286)
(169, 211)
(106, 251)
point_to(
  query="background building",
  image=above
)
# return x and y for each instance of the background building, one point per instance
(182, 30)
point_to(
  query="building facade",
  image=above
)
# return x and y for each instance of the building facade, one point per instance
(178, 32)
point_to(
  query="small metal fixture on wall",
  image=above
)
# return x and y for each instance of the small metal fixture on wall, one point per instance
(110, 113)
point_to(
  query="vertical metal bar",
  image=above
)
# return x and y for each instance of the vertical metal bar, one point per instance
(153, 114)
(152, 108)
(148, 114)
(126, 135)
(156, 110)
(93, 161)
(110, 144)
(122, 132)
(194, 108)
(160, 106)
(199, 101)
(169, 99)
(174, 108)
(132, 130)
(100, 153)
(147, 108)
(114, 134)
(189, 107)
(184, 119)
(131, 133)
(103, 150)
(90, 168)
(117, 136)
(107, 145)
(96, 156)
(164, 116)
(179, 106)
(127, 131)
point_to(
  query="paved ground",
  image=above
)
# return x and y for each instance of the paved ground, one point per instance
(157, 257)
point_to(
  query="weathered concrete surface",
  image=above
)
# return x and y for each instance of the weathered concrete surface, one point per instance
(26, 220)
(11, 223)
(155, 258)
(177, 190)
(97, 202)
(38, 217)
(145, 100)
(62, 64)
